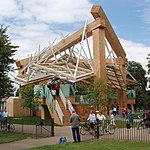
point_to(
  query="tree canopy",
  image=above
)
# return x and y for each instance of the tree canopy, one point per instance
(148, 65)
(30, 98)
(137, 71)
(97, 93)
(7, 51)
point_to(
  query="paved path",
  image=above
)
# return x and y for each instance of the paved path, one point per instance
(29, 143)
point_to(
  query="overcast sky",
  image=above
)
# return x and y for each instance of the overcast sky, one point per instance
(40, 22)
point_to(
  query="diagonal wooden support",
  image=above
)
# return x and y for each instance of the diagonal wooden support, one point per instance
(98, 12)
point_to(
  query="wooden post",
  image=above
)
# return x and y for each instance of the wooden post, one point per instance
(99, 59)
(122, 96)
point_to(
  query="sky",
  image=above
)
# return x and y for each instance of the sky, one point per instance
(35, 24)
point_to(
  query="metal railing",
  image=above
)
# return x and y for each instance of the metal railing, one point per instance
(59, 111)
(70, 107)
(36, 127)
(62, 97)
(125, 130)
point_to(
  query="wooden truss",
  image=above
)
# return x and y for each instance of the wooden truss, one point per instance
(73, 59)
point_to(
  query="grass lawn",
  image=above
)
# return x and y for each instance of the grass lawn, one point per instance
(11, 137)
(99, 145)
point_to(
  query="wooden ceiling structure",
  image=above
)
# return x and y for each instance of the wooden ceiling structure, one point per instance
(72, 59)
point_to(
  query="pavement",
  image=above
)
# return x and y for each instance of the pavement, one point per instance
(30, 143)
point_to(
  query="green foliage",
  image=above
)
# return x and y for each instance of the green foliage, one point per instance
(98, 93)
(5, 86)
(30, 98)
(6, 60)
(81, 90)
(148, 65)
(137, 71)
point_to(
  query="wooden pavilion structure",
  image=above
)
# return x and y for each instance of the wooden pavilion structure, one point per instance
(73, 60)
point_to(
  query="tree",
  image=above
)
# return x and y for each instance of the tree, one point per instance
(30, 99)
(6, 60)
(98, 94)
(148, 91)
(137, 71)
(148, 65)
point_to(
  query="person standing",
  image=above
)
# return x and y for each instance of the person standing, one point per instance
(101, 118)
(124, 112)
(1, 117)
(130, 117)
(92, 119)
(5, 117)
(114, 110)
(75, 120)
(112, 119)
(53, 92)
(57, 89)
(49, 85)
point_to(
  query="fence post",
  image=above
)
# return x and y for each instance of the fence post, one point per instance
(52, 127)
(97, 123)
(22, 124)
(128, 127)
(36, 131)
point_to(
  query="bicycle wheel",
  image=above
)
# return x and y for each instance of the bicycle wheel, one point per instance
(138, 126)
(101, 130)
(83, 130)
(111, 129)
(3, 127)
(11, 128)
(93, 132)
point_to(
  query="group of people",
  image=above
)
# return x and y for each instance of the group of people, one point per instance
(75, 120)
(101, 118)
(3, 117)
(54, 88)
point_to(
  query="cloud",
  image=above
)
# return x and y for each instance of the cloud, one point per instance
(38, 22)
(136, 52)
(53, 11)
(34, 23)
(8, 7)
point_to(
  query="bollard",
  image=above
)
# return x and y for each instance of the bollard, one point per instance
(97, 123)
(52, 127)
(36, 131)
(62, 140)
(22, 124)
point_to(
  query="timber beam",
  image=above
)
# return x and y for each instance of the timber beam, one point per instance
(76, 37)
(97, 12)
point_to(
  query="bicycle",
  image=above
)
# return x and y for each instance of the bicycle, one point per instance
(7, 126)
(110, 128)
(142, 123)
(86, 128)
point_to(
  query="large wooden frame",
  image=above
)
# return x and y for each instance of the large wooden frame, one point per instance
(72, 67)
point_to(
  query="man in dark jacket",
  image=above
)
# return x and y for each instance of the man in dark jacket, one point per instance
(74, 120)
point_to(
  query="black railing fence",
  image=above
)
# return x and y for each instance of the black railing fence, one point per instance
(136, 130)
(19, 125)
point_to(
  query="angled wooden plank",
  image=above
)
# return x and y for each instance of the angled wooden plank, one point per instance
(76, 37)
(80, 68)
(54, 71)
(111, 36)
